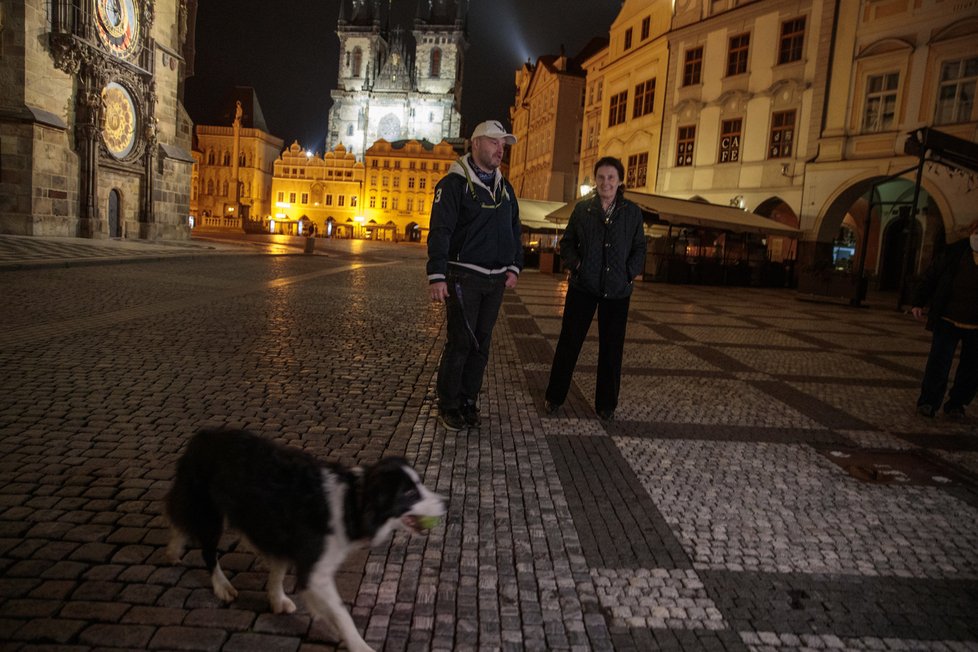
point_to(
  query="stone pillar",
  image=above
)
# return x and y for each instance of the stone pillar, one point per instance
(88, 130)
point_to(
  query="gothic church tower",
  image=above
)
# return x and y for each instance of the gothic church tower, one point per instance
(386, 89)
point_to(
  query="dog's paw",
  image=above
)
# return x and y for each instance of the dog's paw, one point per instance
(223, 588)
(175, 549)
(283, 606)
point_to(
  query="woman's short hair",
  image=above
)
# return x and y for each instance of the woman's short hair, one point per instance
(610, 161)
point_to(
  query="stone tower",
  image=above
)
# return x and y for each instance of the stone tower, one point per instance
(387, 89)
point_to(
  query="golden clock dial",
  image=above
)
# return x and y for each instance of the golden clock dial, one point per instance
(119, 128)
(117, 25)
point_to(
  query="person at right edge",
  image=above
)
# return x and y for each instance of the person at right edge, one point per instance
(603, 247)
(950, 286)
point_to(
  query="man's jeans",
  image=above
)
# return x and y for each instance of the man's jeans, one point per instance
(473, 305)
(946, 338)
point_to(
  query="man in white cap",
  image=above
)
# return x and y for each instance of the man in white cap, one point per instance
(474, 253)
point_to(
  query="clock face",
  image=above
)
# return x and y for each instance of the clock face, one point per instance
(117, 24)
(119, 130)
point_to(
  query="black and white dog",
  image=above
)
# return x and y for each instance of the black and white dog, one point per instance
(294, 510)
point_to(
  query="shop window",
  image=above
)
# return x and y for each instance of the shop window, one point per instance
(730, 132)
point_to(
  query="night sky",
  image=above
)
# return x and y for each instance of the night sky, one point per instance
(287, 51)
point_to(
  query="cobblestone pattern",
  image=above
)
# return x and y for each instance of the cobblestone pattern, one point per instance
(702, 518)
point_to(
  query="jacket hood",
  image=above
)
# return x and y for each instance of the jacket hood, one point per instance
(463, 167)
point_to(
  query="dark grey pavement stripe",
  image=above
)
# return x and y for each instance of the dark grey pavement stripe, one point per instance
(718, 359)
(847, 606)
(618, 523)
(821, 412)
(67, 327)
(701, 432)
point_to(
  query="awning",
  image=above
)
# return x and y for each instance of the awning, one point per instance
(533, 214)
(683, 212)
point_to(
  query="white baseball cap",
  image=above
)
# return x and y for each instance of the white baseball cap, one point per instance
(493, 129)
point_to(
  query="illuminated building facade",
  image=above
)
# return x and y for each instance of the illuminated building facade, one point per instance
(387, 90)
(94, 139)
(546, 118)
(313, 195)
(399, 186)
(233, 175)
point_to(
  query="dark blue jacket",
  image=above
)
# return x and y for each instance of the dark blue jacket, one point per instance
(473, 226)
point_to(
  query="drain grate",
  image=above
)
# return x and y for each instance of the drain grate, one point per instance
(893, 467)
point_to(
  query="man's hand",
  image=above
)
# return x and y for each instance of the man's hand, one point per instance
(511, 279)
(438, 290)
(918, 313)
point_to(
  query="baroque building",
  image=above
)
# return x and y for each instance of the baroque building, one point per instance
(388, 90)
(234, 161)
(94, 139)
(314, 194)
(546, 118)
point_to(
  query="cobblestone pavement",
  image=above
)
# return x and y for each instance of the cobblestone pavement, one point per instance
(766, 484)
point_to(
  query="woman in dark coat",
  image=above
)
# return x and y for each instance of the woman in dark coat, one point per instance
(603, 247)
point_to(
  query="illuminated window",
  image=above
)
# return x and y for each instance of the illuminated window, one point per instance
(730, 140)
(782, 134)
(644, 98)
(956, 97)
(693, 66)
(616, 114)
(792, 40)
(684, 145)
(881, 98)
(737, 54)
(638, 167)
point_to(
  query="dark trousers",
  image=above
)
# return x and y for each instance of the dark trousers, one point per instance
(579, 307)
(473, 305)
(943, 345)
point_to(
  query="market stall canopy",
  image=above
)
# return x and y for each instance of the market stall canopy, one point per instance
(534, 212)
(684, 212)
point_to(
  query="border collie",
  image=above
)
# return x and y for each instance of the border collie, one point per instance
(294, 510)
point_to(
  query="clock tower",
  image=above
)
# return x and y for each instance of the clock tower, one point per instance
(114, 159)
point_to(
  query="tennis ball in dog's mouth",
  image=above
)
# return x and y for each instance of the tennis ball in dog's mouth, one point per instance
(428, 522)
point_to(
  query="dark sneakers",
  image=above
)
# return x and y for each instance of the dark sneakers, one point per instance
(470, 414)
(926, 411)
(955, 412)
(452, 419)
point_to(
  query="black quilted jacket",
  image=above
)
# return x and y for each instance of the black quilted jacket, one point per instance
(604, 258)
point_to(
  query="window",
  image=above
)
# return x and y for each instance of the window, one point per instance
(329, 200)
(410, 204)
(340, 200)
(385, 181)
(373, 180)
(792, 40)
(349, 130)
(357, 61)
(383, 202)
(628, 38)
(616, 115)
(397, 182)
(730, 140)
(956, 96)
(281, 197)
(411, 183)
(434, 69)
(782, 134)
(737, 54)
(422, 183)
(210, 157)
(646, 27)
(644, 98)
(881, 100)
(353, 201)
(305, 198)
(394, 203)
(373, 202)
(291, 197)
(693, 66)
(636, 174)
(684, 145)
